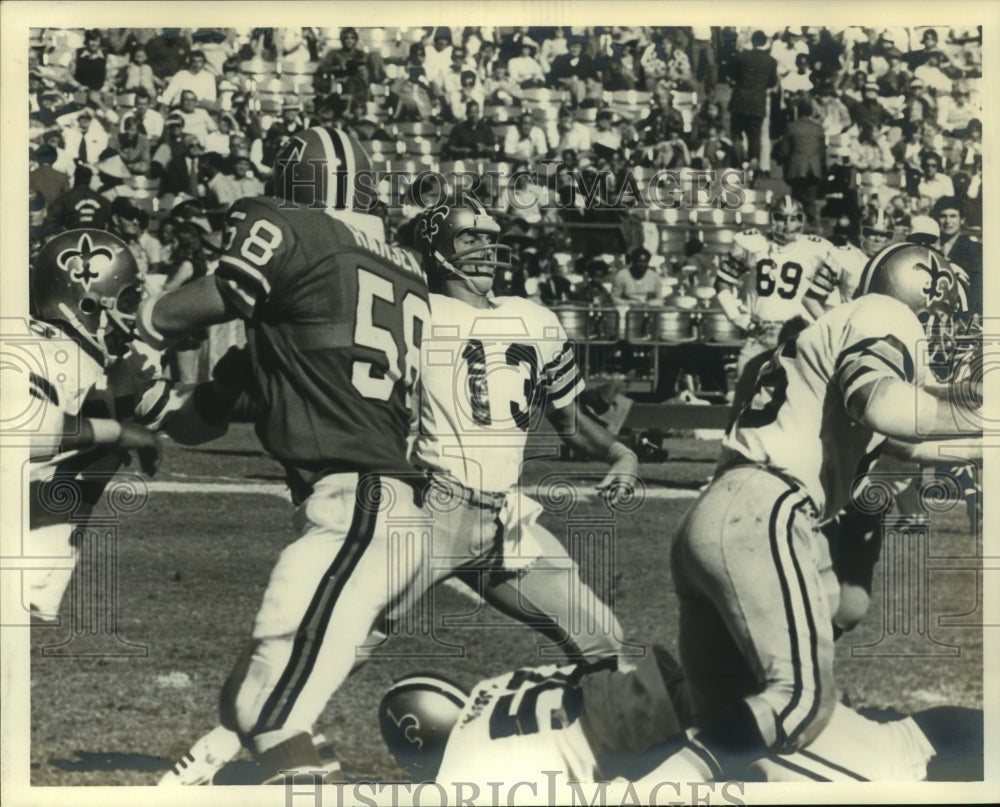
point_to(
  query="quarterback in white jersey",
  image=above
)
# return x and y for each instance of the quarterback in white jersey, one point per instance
(752, 572)
(764, 282)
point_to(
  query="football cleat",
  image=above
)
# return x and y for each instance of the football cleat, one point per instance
(205, 759)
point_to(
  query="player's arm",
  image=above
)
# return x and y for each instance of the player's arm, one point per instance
(731, 267)
(584, 433)
(824, 285)
(253, 251)
(61, 432)
(935, 452)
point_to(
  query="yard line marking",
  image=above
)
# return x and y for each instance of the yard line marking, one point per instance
(280, 490)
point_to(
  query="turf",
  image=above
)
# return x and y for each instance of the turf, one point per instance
(192, 567)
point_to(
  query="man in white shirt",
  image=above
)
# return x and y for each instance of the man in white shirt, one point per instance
(525, 143)
(148, 121)
(86, 139)
(524, 70)
(934, 184)
(197, 121)
(196, 78)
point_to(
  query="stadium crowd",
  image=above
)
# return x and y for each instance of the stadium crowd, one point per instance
(153, 133)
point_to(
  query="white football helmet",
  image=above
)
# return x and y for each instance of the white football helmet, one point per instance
(787, 219)
(877, 228)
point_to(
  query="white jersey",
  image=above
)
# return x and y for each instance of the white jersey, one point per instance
(486, 375)
(852, 263)
(71, 380)
(773, 279)
(797, 423)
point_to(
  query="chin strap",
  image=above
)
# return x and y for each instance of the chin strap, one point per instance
(459, 274)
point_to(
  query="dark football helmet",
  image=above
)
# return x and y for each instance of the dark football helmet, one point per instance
(88, 281)
(318, 167)
(877, 228)
(787, 219)
(416, 717)
(436, 232)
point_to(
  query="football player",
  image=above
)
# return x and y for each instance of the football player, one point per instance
(334, 317)
(752, 572)
(764, 282)
(473, 425)
(93, 390)
(490, 368)
(596, 722)
(877, 230)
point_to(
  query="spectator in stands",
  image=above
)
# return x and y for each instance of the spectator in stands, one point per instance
(132, 150)
(81, 206)
(525, 70)
(472, 137)
(607, 139)
(871, 151)
(960, 249)
(437, 60)
(551, 47)
(196, 79)
(575, 72)
(38, 228)
(752, 73)
(44, 178)
(500, 89)
(410, 95)
(833, 113)
(183, 171)
(569, 133)
(65, 163)
(916, 58)
(803, 148)
(218, 141)
(86, 139)
(594, 290)
(703, 58)
(171, 144)
(896, 79)
(126, 222)
(167, 52)
(869, 111)
(715, 152)
(525, 143)
(138, 74)
(962, 110)
(637, 283)
(197, 120)
(800, 80)
(486, 59)
(618, 76)
(148, 121)
(91, 69)
(920, 104)
(933, 184)
(559, 285)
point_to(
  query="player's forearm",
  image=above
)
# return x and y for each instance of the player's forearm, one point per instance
(932, 452)
(74, 433)
(730, 305)
(582, 432)
(176, 313)
(901, 410)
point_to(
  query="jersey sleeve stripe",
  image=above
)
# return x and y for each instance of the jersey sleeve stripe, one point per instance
(887, 349)
(857, 380)
(561, 401)
(42, 388)
(247, 269)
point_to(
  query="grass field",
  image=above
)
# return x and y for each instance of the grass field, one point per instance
(194, 561)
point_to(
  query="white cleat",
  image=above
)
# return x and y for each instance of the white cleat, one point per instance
(205, 759)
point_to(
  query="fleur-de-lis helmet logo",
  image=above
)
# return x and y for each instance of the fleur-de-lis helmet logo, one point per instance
(940, 280)
(430, 223)
(86, 262)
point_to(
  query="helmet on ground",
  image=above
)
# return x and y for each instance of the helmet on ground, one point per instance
(787, 218)
(877, 229)
(88, 281)
(416, 717)
(440, 233)
(318, 167)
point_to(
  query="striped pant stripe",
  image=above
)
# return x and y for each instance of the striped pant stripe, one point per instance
(801, 708)
(312, 629)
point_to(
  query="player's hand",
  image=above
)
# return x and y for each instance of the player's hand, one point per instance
(619, 482)
(145, 443)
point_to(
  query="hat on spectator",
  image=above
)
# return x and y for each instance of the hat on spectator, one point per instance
(923, 230)
(36, 201)
(125, 208)
(85, 113)
(45, 154)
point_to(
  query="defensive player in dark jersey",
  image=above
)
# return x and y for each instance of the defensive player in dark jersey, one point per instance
(334, 318)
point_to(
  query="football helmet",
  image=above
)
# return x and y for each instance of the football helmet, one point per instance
(787, 218)
(437, 230)
(877, 229)
(88, 281)
(416, 716)
(318, 167)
